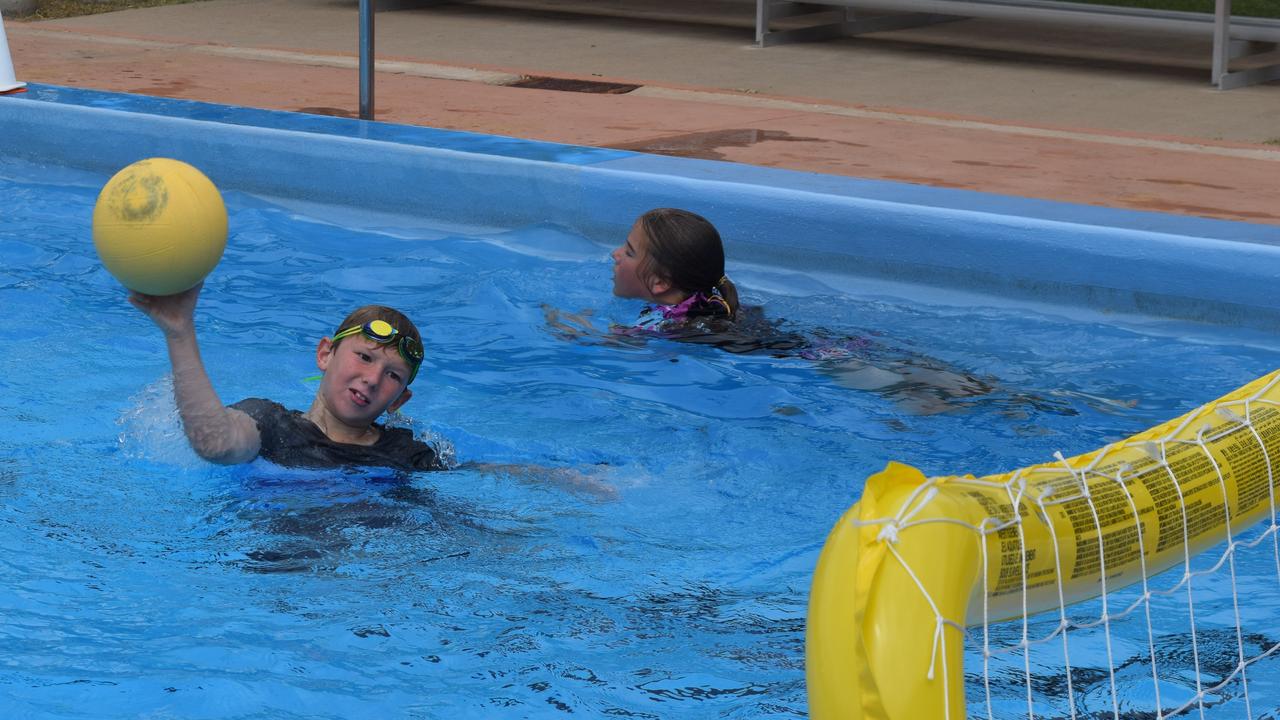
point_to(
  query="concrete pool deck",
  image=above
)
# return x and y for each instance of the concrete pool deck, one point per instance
(981, 105)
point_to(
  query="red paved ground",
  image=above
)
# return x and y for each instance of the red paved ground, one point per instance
(306, 61)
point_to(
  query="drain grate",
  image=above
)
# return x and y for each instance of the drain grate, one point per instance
(539, 82)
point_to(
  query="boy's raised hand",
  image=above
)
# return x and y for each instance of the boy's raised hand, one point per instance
(174, 314)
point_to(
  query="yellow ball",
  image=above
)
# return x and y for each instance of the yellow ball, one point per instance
(159, 226)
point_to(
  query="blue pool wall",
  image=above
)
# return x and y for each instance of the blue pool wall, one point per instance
(1104, 259)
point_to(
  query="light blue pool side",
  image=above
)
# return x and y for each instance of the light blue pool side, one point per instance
(1098, 258)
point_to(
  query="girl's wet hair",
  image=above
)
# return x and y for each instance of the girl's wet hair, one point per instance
(685, 250)
(369, 313)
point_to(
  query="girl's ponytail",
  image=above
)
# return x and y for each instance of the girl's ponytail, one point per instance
(727, 290)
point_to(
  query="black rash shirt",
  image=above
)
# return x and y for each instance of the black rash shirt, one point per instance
(289, 438)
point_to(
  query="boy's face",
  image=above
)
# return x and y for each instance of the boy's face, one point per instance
(628, 259)
(362, 379)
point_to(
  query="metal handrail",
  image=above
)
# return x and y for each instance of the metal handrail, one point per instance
(1232, 36)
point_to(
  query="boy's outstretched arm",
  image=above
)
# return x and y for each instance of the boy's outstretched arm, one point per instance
(565, 478)
(217, 433)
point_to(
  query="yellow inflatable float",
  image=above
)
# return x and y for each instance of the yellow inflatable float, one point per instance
(918, 559)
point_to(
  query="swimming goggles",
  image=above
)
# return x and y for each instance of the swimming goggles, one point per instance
(381, 332)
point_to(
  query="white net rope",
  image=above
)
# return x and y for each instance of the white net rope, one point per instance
(1182, 601)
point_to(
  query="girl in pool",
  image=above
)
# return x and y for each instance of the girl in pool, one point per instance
(674, 260)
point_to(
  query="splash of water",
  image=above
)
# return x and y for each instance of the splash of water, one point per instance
(151, 429)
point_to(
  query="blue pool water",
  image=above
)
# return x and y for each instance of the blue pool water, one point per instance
(141, 582)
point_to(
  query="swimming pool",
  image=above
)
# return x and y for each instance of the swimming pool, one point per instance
(146, 583)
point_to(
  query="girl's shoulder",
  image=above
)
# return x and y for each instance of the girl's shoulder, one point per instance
(703, 321)
(697, 308)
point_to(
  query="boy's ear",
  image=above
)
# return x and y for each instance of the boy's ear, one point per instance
(324, 351)
(400, 401)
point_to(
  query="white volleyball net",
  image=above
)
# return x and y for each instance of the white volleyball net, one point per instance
(1200, 639)
(1143, 581)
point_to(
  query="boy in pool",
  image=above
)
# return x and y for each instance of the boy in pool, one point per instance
(368, 365)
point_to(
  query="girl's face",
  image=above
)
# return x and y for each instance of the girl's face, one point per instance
(628, 259)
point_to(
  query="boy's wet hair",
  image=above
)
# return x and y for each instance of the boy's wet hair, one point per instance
(369, 313)
(685, 249)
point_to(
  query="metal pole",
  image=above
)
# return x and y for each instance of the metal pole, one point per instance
(1221, 42)
(366, 59)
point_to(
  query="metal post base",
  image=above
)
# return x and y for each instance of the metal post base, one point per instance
(1226, 79)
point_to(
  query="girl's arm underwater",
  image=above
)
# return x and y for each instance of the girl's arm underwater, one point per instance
(578, 327)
